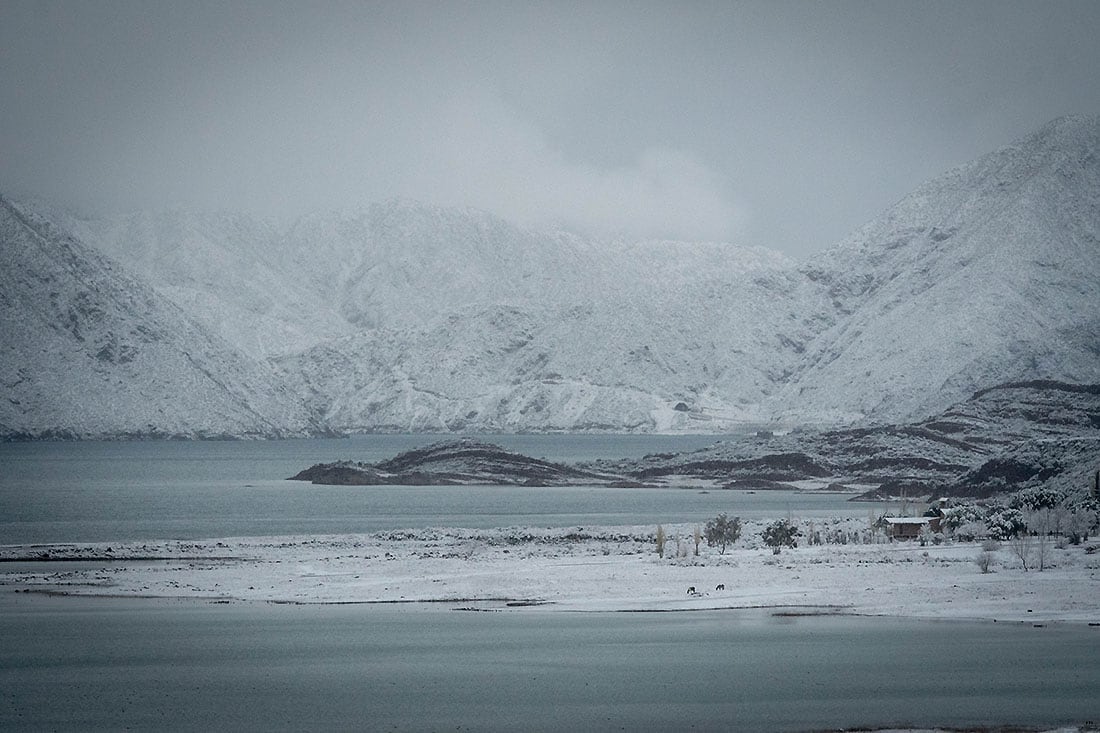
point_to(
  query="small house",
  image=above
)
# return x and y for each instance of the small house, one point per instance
(906, 528)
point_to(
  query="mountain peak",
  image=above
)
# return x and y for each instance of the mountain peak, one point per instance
(1067, 130)
(1063, 146)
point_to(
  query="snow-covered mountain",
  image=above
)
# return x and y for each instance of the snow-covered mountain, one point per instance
(225, 270)
(410, 317)
(618, 338)
(987, 274)
(90, 351)
(401, 316)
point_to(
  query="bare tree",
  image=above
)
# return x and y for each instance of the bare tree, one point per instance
(1021, 547)
(660, 541)
(1059, 519)
(1042, 523)
(985, 561)
(1079, 524)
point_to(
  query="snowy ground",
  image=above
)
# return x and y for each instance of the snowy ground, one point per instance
(577, 569)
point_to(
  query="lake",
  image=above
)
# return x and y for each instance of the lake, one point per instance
(101, 663)
(114, 491)
(106, 664)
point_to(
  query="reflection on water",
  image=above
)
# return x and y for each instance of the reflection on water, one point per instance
(80, 664)
(84, 492)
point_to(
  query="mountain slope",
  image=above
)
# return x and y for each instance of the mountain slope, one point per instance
(988, 274)
(420, 318)
(616, 344)
(401, 316)
(88, 351)
(225, 270)
(1003, 438)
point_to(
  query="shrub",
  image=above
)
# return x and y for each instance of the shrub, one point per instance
(780, 533)
(925, 535)
(722, 531)
(970, 531)
(1081, 522)
(985, 561)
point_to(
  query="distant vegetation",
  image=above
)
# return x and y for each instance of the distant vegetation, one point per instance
(722, 531)
(779, 534)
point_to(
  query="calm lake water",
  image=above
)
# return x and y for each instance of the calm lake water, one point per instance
(81, 664)
(114, 491)
(106, 664)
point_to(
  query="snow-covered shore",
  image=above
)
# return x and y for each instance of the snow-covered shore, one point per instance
(577, 569)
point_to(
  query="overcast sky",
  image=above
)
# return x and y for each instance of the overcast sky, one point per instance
(782, 124)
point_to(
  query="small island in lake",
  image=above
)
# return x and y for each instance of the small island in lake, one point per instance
(462, 462)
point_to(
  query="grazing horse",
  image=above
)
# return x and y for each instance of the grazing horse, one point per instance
(691, 590)
(720, 586)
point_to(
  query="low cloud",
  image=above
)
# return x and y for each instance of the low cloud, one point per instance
(480, 153)
(317, 148)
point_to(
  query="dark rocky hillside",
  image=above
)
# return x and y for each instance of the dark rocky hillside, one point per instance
(1004, 438)
(456, 462)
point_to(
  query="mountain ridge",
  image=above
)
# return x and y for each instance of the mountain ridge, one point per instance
(405, 317)
(1004, 252)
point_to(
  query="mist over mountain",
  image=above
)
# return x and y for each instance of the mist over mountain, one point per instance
(400, 316)
(89, 351)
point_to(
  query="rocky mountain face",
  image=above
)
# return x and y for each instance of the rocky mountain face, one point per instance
(225, 271)
(90, 351)
(408, 317)
(987, 274)
(411, 317)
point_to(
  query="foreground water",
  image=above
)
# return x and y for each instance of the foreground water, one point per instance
(103, 491)
(78, 664)
(67, 664)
